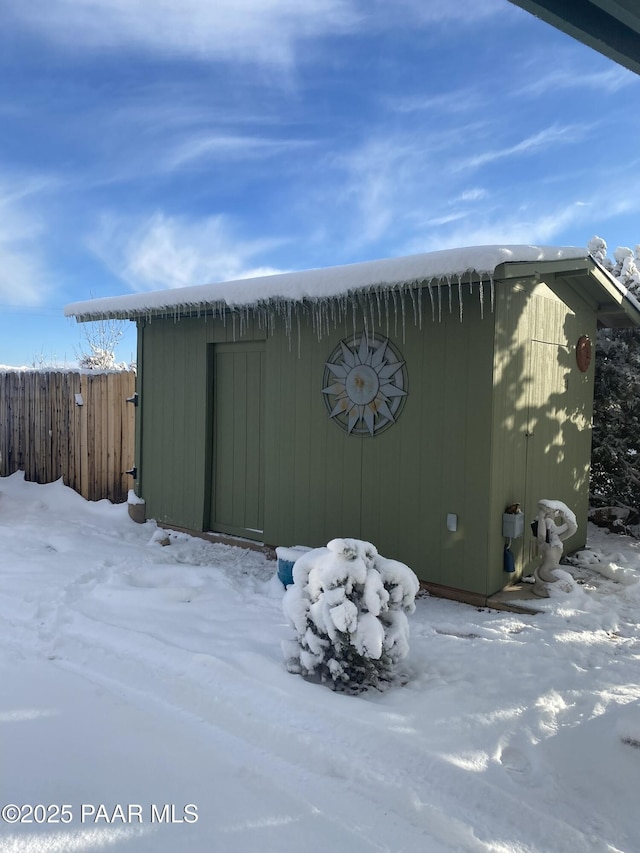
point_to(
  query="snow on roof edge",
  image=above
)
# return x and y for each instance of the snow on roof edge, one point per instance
(627, 295)
(325, 283)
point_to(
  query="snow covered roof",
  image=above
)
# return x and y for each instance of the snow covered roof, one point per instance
(451, 265)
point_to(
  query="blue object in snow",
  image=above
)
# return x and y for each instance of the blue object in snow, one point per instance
(509, 564)
(285, 571)
(286, 559)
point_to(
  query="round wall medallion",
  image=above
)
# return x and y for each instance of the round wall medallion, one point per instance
(365, 384)
(583, 353)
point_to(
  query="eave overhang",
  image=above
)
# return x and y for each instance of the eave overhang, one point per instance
(612, 27)
(611, 302)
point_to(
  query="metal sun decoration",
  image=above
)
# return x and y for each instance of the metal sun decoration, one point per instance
(369, 385)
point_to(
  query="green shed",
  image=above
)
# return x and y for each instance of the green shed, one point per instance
(407, 402)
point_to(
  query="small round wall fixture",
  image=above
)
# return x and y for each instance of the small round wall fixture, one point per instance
(583, 353)
(365, 384)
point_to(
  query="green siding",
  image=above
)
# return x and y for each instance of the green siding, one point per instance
(476, 388)
(176, 417)
(396, 488)
(237, 473)
(541, 412)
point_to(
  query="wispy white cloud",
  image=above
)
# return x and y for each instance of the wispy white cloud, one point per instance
(23, 281)
(554, 135)
(451, 103)
(607, 81)
(267, 32)
(452, 209)
(165, 252)
(21, 275)
(535, 226)
(255, 31)
(537, 222)
(463, 12)
(373, 179)
(391, 185)
(473, 194)
(505, 228)
(204, 146)
(446, 218)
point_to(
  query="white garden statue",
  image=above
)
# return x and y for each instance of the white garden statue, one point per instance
(556, 522)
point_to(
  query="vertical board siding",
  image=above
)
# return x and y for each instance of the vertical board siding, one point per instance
(176, 424)
(238, 460)
(45, 434)
(542, 413)
(393, 489)
(459, 446)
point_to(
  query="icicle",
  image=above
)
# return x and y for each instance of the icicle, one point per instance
(365, 323)
(433, 306)
(386, 307)
(460, 295)
(377, 292)
(481, 286)
(412, 292)
(439, 304)
(371, 310)
(289, 323)
(493, 295)
(420, 286)
(353, 314)
(394, 296)
(449, 283)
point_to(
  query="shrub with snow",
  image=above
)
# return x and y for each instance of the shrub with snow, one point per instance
(348, 606)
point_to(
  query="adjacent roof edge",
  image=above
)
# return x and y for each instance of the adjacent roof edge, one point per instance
(608, 26)
(619, 294)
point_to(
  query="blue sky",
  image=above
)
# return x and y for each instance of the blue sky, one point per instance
(148, 144)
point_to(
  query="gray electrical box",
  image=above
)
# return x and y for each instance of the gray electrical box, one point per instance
(512, 525)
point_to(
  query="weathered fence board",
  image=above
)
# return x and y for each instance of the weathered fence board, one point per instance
(70, 424)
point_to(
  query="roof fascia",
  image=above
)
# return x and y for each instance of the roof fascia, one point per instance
(604, 25)
(610, 300)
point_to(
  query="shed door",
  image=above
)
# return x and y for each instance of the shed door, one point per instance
(547, 462)
(238, 440)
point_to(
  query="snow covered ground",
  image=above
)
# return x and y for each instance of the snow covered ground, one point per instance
(151, 678)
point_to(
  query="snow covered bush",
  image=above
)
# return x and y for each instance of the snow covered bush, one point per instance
(348, 606)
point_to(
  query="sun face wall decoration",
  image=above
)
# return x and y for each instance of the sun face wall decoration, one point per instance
(365, 384)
